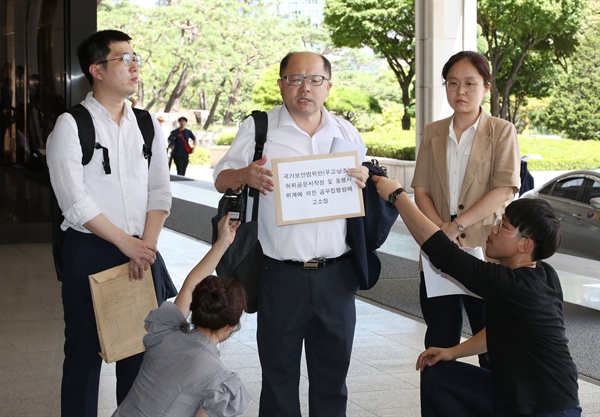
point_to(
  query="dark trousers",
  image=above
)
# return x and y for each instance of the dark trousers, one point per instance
(461, 389)
(84, 254)
(181, 163)
(316, 307)
(444, 318)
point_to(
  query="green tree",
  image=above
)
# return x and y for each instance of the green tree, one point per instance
(265, 94)
(535, 81)
(352, 102)
(575, 104)
(515, 28)
(385, 26)
(204, 55)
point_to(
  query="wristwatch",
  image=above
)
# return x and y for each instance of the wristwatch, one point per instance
(394, 196)
(461, 228)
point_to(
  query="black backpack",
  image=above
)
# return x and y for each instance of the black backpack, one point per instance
(87, 139)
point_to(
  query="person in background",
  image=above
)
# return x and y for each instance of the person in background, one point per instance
(307, 291)
(110, 219)
(531, 370)
(182, 143)
(467, 171)
(182, 374)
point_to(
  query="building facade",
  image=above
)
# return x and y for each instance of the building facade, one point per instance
(312, 10)
(40, 78)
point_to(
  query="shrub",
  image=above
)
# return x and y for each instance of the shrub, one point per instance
(560, 154)
(225, 138)
(201, 156)
(399, 144)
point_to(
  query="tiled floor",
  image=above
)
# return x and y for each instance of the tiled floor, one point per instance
(382, 380)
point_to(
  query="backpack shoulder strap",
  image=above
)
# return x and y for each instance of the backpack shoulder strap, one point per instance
(261, 122)
(144, 121)
(85, 130)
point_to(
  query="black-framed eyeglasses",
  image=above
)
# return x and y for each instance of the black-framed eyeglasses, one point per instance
(469, 86)
(127, 59)
(311, 79)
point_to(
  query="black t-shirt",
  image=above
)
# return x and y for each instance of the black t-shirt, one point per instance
(529, 357)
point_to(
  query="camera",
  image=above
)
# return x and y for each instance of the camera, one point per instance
(236, 205)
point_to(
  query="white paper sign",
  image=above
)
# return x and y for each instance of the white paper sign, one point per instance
(438, 283)
(316, 188)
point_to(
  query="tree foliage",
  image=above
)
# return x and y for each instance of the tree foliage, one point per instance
(202, 55)
(575, 104)
(535, 81)
(351, 102)
(385, 26)
(515, 29)
(265, 94)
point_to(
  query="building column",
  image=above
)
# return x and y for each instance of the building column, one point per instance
(443, 28)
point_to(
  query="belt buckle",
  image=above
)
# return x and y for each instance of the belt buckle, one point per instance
(313, 263)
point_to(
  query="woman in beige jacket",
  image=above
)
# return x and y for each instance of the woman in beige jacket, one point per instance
(467, 171)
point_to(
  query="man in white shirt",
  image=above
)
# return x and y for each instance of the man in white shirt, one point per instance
(300, 302)
(110, 218)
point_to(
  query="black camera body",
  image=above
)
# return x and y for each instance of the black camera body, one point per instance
(236, 205)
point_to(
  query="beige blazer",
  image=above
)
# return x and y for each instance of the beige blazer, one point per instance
(494, 161)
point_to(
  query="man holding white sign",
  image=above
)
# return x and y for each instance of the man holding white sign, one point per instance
(308, 285)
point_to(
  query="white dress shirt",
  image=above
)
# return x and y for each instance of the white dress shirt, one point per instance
(458, 157)
(297, 242)
(129, 192)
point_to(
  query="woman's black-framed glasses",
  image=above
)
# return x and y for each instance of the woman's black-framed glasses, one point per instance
(311, 79)
(127, 59)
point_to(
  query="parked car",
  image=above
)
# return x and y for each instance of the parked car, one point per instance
(575, 196)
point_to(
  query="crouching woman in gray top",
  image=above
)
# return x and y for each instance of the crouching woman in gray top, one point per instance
(182, 374)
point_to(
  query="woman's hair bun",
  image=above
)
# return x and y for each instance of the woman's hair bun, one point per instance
(217, 302)
(213, 301)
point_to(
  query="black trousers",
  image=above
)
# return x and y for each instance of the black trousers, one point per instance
(461, 389)
(181, 163)
(444, 318)
(84, 254)
(314, 307)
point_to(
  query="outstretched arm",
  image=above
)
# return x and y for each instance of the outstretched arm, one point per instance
(207, 265)
(420, 227)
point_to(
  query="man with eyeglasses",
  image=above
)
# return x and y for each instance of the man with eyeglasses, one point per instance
(299, 306)
(531, 370)
(111, 217)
